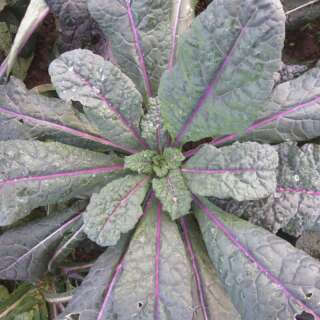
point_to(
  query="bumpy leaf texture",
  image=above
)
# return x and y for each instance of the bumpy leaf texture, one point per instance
(80, 75)
(240, 171)
(77, 29)
(152, 129)
(139, 33)
(294, 207)
(294, 110)
(265, 276)
(34, 174)
(210, 298)
(156, 277)
(25, 115)
(115, 209)
(224, 69)
(25, 251)
(173, 193)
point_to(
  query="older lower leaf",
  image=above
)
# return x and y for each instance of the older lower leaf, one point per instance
(243, 171)
(25, 251)
(173, 193)
(88, 300)
(156, 278)
(115, 209)
(34, 174)
(265, 276)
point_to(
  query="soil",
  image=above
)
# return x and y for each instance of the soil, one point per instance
(46, 38)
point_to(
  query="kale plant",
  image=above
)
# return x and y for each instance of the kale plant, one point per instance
(117, 143)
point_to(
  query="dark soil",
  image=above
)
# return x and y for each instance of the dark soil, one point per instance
(46, 38)
(303, 44)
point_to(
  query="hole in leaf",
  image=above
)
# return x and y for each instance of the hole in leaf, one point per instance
(139, 305)
(21, 121)
(304, 316)
(308, 295)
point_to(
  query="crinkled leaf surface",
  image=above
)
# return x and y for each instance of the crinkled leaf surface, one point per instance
(224, 69)
(34, 174)
(87, 301)
(76, 27)
(26, 115)
(82, 76)
(140, 162)
(173, 193)
(152, 129)
(294, 110)
(295, 205)
(241, 171)
(156, 278)
(25, 251)
(212, 296)
(139, 32)
(265, 276)
(115, 209)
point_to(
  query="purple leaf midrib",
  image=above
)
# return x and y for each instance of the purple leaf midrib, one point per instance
(139, 50)
(63, 128)
(125, 199)
(109, 290)
(76, 173)
(157, 264)
(195, 268)
(65, 225)
(62, 248)
(268, 120)
(215, 79)
(233, 239)
(218, 171)
(174, 37)
(113, 109)
(299, 190)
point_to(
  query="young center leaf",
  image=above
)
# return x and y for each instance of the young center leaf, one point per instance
(294, 207)
(34, 174)
(152, 129)
(115, 209)
(156, 278)
(293, 112)
(265, 276)
(80, 75)
(93, 299)
(25, 251)
(242, 171)
(173, 193)
(140, 37)
(224, 69)
(26, 115)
